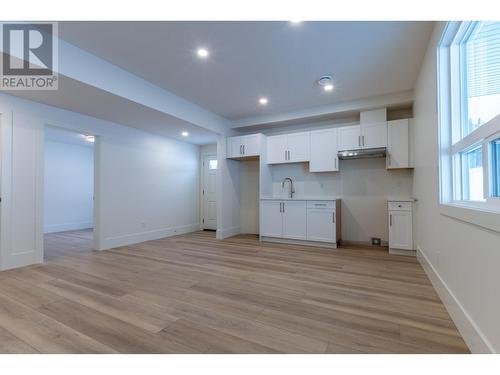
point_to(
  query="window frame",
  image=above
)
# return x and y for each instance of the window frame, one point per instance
(452, 113)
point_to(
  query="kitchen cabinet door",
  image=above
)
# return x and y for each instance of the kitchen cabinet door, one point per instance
(321, 225)
(398, 144)
(298, 147)
(271, 223)
(400, 230)
(374, 135)
(276, 149)
(349, 138)
(235, 149)
(294, 220)
(323, 151)
(251, 145)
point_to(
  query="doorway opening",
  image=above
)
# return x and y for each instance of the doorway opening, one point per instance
(68, 212)
(209, 192)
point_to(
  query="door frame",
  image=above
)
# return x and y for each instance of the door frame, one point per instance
(202, 186)
(96, 208)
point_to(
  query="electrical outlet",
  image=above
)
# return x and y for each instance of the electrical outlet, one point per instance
(376, 241)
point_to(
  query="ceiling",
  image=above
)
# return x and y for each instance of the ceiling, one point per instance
(55, 134)
(78, 97)
(279, 60)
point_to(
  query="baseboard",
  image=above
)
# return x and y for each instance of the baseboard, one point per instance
(67, 227)
(328, 245)
(472, 335)
(227, 232)
(363, 243)
(130, 239)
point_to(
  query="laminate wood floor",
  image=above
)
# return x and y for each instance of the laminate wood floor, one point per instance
(195, 294)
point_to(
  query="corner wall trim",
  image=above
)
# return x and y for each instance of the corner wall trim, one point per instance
(227, 232)
(470, 332)
(130, 239)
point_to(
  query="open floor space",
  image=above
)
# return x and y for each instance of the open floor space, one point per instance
(195, 294)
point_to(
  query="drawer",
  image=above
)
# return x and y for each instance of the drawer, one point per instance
(399, 206)
(321, 204)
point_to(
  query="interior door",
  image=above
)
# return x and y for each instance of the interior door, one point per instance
(374, 135)
(276, 148)
(294, 220)
(209, 220)
(349, 138)
(271, 218)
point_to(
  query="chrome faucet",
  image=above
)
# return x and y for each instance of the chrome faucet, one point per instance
(292, 190)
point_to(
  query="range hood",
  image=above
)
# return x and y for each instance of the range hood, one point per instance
(366, 153)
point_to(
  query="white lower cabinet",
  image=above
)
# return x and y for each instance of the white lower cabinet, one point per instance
(294, 220)
(401, 226)
(300, 220)
(271, 224)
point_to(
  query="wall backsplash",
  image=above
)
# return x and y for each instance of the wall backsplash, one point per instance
(362, 184)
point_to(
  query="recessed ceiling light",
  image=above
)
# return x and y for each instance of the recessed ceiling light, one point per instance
(185, 133)
(326, 82)
(295, 22)
(89, 138)
(263, 101)
(202, 52)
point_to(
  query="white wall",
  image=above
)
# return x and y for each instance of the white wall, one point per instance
(249, 196)
(147, 186)
(464, 259)
(68, 186)
(363, 185)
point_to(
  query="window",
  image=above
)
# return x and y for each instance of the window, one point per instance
(469, 115)
(495, 167)
(472, 174)
(212, 164)
(481, 51)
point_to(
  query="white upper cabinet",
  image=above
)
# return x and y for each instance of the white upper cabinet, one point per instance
(363, 136)
(398, 144)
(374, 135)
(243, 146)
(288, 148)
(323, 151)
(349, 138)
(276, 149)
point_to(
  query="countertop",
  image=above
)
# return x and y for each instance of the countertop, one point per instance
(400, 199)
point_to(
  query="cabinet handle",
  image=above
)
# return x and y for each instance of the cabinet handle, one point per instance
(243, 149)
(389, 156)
(363, 137)
(333, 217)
(285, 155)
(335, 163)
(283, 207)
(390, 220)
(359, 141)
(241, 152)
